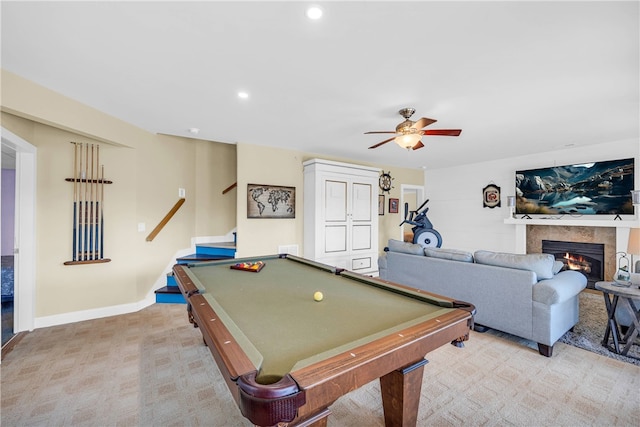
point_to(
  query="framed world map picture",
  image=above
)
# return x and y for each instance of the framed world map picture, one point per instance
(270, 201)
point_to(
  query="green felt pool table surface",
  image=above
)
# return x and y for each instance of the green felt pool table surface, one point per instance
(276, 312)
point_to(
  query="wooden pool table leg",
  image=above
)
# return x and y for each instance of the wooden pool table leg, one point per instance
(401, 395)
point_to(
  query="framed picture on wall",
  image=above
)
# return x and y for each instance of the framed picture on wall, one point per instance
(393, 205)
(381, 204)
(270, 201)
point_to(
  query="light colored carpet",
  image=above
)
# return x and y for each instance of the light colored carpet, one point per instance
(151, 369)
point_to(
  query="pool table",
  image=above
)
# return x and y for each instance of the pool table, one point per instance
(286, 357)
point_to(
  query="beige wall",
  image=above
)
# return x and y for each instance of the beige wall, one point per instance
(147, 170)
(267, 165)
(389, 223)
(145, 186)
(216, 170)
(272, 166)
(61, 288)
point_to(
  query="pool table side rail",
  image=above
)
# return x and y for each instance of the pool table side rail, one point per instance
(265, 258)
(409, 291)
(382, 354)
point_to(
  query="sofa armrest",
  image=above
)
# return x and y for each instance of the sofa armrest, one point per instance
(382, 265)
(563, 286)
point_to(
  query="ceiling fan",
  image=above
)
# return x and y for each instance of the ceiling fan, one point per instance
(408, 134)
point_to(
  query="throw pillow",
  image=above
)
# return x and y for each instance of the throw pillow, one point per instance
(557, 267)
(405, 247)
(450, 254)
(541, 264)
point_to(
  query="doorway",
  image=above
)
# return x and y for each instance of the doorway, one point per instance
(7, 216)
(17, 234)
(411, 196)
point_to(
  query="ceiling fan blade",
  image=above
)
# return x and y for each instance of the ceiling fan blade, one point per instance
(418, 145)
(382, 143)
(423, 122)
(443, 132)
(380, 131)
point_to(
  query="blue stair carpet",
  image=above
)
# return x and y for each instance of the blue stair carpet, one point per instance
(170, 294)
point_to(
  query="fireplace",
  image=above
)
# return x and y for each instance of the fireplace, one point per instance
(587, 258)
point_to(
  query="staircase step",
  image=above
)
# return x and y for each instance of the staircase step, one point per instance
(204, 252)
(171, 281)
(226, 249)
(169, 295)
(210, 252)
(200, 258)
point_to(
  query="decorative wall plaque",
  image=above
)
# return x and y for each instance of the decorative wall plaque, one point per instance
(491, 196)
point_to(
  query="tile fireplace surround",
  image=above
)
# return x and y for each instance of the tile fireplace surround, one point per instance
(614, 235)
(606, 235)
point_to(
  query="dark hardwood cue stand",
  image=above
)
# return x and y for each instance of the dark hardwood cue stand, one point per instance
(88, 204)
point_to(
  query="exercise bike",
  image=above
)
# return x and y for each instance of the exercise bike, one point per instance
(423, 232)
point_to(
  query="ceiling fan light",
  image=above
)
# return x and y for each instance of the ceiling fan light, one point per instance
(408, 140)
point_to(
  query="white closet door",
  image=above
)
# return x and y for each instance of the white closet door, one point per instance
(335, 201)
(361, 205)
(361, 237)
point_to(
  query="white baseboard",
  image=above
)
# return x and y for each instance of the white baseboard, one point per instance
(98, 313)
(149, 299)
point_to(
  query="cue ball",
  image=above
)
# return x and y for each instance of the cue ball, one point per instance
(318, 296)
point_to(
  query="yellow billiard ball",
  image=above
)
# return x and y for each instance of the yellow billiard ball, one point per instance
(318, 296)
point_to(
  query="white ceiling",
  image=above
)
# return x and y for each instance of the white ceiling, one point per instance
(517, 77)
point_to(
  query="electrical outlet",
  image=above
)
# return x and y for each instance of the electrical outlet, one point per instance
(181, 193)
(142, 226)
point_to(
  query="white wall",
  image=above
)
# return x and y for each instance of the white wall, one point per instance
(455, 194)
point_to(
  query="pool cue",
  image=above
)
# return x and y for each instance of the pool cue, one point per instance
(91, 212)
(81, 203)
(86, 205)
(102, 215)
(75, 198)
(96, 224)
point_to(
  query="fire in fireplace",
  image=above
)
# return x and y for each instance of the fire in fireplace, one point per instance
(587, 258)
(577, 262)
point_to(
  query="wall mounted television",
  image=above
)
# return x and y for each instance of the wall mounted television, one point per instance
(598, 188)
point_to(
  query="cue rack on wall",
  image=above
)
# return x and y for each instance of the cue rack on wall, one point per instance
(88, 205)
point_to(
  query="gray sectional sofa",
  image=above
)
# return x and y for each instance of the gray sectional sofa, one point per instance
(524, 295)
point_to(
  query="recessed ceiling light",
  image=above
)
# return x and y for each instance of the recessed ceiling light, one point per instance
(314, 12)
(194, 131)
(243, 95)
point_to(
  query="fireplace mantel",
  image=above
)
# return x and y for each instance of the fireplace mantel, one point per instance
(576, 222)
(622, 228)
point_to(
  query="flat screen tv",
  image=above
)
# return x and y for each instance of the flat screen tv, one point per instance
(599, 188)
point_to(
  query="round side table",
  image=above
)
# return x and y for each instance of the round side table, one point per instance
(615, 295)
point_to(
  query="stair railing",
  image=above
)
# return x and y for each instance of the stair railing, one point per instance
(165, 220)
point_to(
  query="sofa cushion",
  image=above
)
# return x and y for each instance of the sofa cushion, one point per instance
(405, 247)
(450, 254)
(557, 267)
(541, 264)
